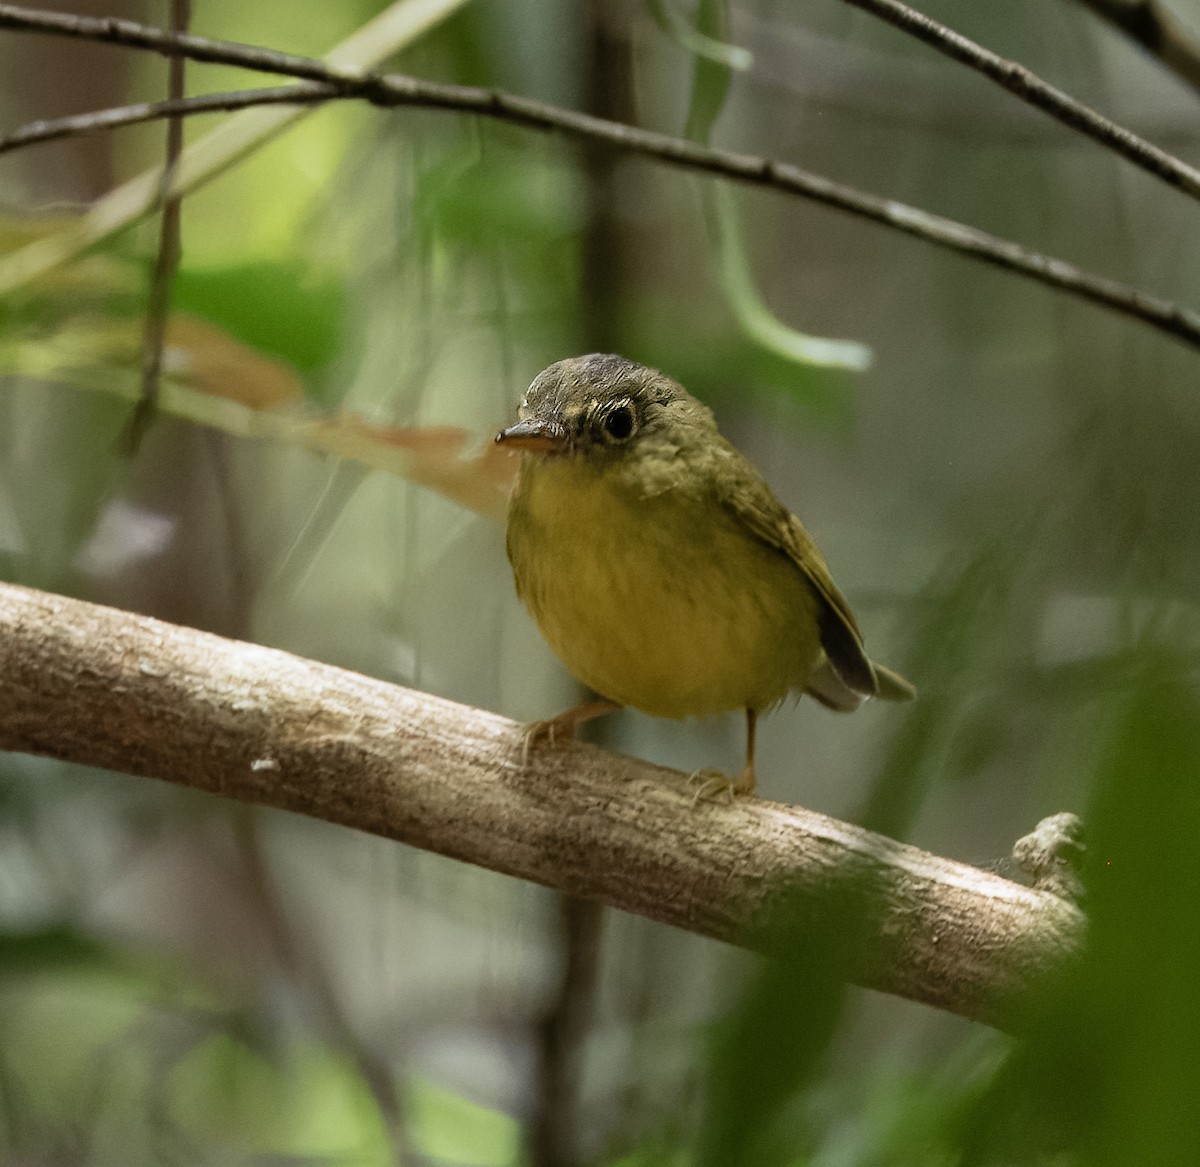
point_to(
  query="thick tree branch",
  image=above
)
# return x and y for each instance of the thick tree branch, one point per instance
(1158, 30)
(123, 692)
(391, 90)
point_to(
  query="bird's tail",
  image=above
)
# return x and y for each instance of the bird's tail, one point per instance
(826, 686)
(891, 686)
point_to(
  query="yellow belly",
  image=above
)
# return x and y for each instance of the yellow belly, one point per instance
(663, 603)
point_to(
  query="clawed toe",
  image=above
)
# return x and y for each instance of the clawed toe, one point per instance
(541, 733)
(562, 728)
(713, 786)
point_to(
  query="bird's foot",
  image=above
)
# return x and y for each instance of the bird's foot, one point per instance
(711, 786)
(561, 728)
(714, 786)
(548, 732)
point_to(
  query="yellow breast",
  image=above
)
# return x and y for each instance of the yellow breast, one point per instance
(662, 602)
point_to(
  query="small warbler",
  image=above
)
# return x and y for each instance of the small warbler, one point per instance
(660, 566)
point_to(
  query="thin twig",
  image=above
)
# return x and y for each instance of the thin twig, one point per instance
(392, 90)
(54, 129)
(124, 692)
(129, 33)
(398, 25)
(1029, 87)
(1012, 76)
(169, 247)
(1158, 30)
(395, 90)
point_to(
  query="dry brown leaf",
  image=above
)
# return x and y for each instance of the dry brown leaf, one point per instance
(205, 357)
(431, 456)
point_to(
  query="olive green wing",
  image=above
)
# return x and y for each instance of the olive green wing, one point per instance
(747, 496)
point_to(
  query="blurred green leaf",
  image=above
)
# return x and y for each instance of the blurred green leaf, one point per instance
(1107, 1074)
(488, 199)
(109, 279)
(718, 366)
(910, 1115)
(711, 78)
(970, 614)
(305, 1101)
(447, 1127)
(60, 946)
(278, 308)
(688, 36)
(711, 73)
(104, 353)
(237, 138)
(213, 380)
(654, 1155)
(765, 1055)
(756, 318)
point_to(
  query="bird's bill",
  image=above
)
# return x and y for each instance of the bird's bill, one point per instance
(536, 436)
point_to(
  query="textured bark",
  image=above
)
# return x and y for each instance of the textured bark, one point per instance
(124, 692)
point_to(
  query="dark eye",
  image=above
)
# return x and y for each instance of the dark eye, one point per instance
(618, 423)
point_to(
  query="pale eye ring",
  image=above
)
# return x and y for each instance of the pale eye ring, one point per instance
(618, 422)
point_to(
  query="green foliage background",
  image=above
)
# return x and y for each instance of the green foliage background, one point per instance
(1008, 496)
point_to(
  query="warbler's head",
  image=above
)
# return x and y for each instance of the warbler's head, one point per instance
(601, 405)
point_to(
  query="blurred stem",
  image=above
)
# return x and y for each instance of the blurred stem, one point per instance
(307, 971)
(711, 79)
(239, 603)
(1158, 30)
(1010, 75)
(169, 246)
(128, 203)
(605, 288)
(608, 94)
(695, 41)
(391, 30)
(304, 968)
(1026, 85)
(553, 1135)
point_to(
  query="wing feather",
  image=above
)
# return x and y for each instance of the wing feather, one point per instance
(753, 504)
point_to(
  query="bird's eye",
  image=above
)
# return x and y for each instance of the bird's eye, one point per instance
(618, 423)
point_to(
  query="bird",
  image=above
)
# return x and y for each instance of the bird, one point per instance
(661, 568)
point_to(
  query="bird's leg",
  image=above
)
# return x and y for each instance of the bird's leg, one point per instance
(745, 783)
(563, 726)
(712, 784)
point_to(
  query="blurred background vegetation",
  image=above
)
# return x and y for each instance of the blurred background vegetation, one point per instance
(1008, 495)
